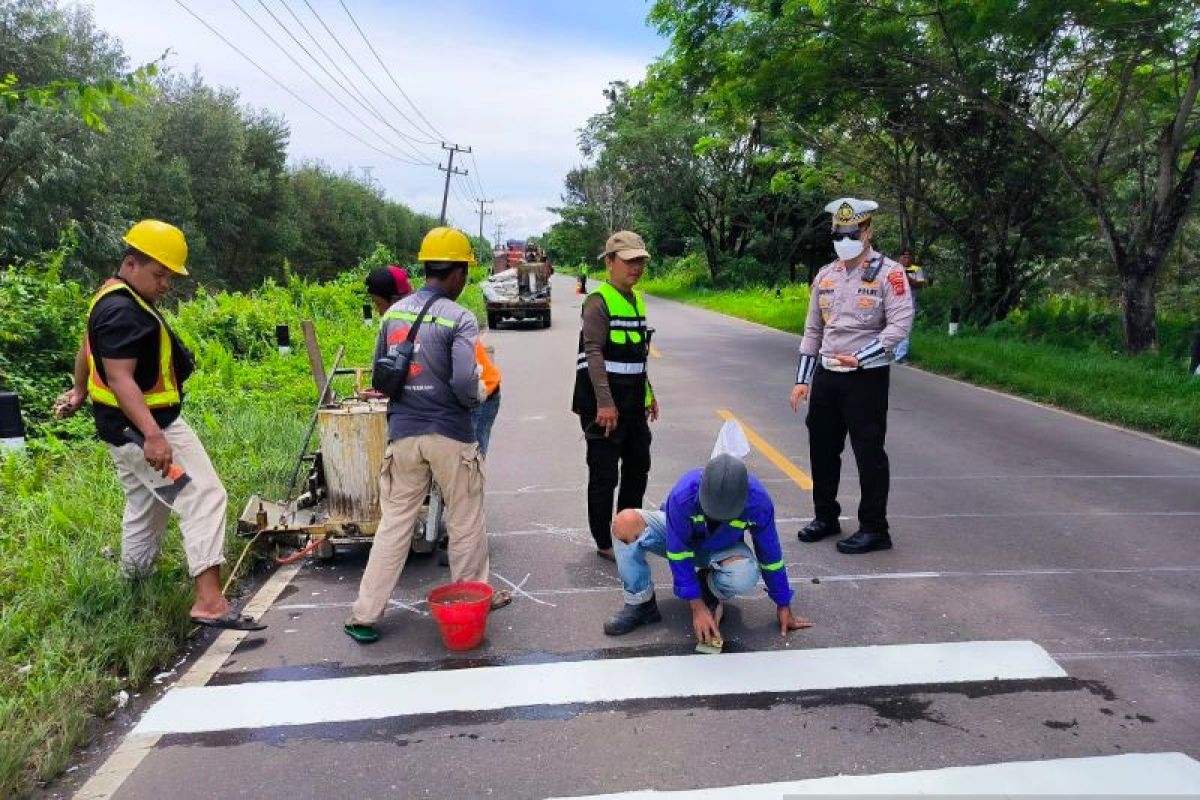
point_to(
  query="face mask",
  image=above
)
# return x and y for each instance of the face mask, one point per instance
(847, 248)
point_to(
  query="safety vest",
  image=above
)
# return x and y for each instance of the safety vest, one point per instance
(165, 391)
(625, 352)
(700, 530)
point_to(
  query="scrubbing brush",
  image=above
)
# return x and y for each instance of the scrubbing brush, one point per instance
(711, 647)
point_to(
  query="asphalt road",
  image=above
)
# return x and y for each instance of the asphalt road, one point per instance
(1012, 522)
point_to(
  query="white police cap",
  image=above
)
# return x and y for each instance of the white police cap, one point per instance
(851, 210)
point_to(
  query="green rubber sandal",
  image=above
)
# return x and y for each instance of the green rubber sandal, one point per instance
(363, 634)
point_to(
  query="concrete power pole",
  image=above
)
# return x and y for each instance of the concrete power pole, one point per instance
(483, 214)
(450, 171)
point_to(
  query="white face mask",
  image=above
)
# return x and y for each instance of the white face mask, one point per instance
(847, 248)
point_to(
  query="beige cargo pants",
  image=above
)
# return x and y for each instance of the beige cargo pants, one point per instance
(200, 506)
(408, 467)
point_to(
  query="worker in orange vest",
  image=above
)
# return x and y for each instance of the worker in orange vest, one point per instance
(132, 366)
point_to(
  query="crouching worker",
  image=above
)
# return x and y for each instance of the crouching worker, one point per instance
(701, 532)
(133, 367)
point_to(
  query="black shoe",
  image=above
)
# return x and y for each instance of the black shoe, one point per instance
(818, 529)
(864, 542)
(633, 616)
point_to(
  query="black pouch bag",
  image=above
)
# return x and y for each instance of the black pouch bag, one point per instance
(391, 371)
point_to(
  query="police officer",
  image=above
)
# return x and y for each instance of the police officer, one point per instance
(613, 397)
(860, 308)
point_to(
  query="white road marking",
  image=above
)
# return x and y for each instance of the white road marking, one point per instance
(1132, 774)
(850, 476)
(798, 581)
(519, 588)
(269, 704)
(1102, 656)
(107, 779)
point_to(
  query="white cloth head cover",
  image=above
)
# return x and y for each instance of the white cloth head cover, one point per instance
(731, 440)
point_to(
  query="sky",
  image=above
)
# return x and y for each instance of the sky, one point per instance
(512, 79)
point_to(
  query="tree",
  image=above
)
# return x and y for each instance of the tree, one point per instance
(1104, 92)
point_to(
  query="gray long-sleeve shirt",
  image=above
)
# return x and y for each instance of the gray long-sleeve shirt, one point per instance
(850, 316)
(443, 383)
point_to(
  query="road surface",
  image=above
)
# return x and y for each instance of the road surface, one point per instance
(1035, 628)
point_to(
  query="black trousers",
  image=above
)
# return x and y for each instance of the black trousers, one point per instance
(854, 403)
(620, 459)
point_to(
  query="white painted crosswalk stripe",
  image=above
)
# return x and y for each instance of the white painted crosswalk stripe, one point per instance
(1133, 774)
(268, 704)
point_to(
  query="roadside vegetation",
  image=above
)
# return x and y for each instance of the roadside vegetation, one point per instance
(73, 633)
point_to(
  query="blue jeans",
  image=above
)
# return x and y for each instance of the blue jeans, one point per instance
(483, 417)
(725, 580)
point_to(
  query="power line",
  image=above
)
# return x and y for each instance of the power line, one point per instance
(360, 95)
(358, 66)
(389, 72)
(369, 109)
(478, 179)
(287, 89)
(314, 79)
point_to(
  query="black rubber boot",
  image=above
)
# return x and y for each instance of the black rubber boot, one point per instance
(818, 529)
(633, 616)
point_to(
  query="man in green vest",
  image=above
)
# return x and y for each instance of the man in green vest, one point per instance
(613, 396)
(132, 367)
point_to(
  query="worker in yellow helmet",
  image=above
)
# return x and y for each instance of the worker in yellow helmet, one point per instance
(132, 367)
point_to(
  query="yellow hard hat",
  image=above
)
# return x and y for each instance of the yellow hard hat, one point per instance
(162, 242)
(446, 244)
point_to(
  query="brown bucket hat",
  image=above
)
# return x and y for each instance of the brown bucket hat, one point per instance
(626, 245)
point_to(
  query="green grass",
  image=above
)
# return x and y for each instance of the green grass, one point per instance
(1152, 393)
(785, 313)
(72, 631)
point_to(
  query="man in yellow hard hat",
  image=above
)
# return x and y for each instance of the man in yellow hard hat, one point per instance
(431, 435)
(132, 366)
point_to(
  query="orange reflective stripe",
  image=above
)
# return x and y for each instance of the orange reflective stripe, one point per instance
(164, 392)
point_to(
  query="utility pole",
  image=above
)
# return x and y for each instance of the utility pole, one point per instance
(499, 231)
(450, 170)
(483, 214)
(367, 177)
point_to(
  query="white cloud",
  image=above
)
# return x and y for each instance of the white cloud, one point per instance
(485, 80)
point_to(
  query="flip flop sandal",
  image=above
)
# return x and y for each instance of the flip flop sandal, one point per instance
(363, 634)
(500, 600)
(231, 622)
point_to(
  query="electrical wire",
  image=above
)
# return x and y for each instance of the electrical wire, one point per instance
(410, 151)
(389, 72)
(293, 94)
(359, 96)
(358, 66)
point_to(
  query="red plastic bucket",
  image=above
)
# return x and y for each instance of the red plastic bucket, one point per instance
(461, 610)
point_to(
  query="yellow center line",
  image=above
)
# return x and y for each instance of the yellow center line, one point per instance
(785, 466)
(655, 352)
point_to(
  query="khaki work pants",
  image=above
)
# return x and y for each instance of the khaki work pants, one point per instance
(404, 480)
(200, 505)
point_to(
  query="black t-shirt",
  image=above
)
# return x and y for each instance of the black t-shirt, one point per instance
(120, 328)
